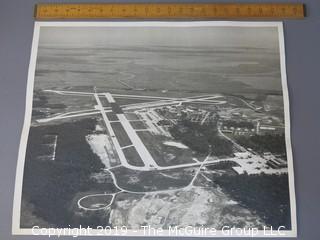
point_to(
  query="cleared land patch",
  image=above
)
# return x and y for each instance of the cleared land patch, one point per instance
(95, 202)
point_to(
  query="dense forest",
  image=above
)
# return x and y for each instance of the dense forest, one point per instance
(201, 138)
(265, 195)
(50, 185)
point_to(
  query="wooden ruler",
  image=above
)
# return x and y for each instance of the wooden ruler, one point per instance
(169, 11)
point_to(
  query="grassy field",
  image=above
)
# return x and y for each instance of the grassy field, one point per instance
(121, 134)
(165, 155)
(133, 157)
(138, 125)
(104, 101)
(142, 181)
(131, 116)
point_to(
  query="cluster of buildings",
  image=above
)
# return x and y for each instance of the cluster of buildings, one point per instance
(191, 113)
(154, 121)
(238, 131)
(274, 161)
(256, 124)
(160, 119)
(251, 163)
(258, 128)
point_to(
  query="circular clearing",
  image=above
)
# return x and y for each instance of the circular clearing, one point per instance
(95, 201)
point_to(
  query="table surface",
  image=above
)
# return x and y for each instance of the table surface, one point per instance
(302, 39)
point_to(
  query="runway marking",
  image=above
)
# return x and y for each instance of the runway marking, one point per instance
(143, 130)
(128, 146)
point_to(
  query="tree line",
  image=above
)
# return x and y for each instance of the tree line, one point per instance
(50, 185)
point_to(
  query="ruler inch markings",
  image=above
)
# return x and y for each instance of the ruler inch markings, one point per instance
(51, 11)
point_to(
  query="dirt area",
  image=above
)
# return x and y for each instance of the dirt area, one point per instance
(198, 206)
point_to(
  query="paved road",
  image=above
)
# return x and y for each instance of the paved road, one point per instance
(134, 138)
(116, 144)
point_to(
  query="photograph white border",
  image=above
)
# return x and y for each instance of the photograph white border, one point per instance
(16, 230)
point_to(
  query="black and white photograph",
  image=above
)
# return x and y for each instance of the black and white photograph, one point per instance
(177, 126)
